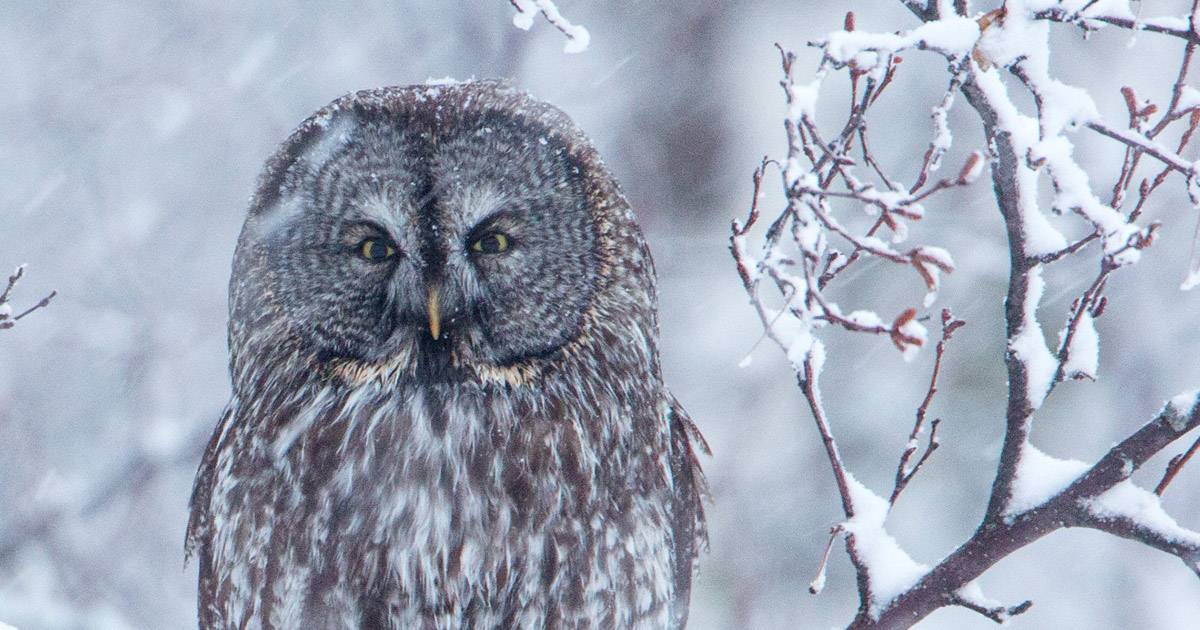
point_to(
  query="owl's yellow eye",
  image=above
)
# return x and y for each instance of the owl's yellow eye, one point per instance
(376, 249)
(491, 243)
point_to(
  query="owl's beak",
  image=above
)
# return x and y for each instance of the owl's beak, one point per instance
(435, 315)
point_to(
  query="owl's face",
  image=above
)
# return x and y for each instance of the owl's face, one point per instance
(443, 236)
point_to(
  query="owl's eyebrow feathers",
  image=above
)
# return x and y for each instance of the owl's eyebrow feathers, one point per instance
(387, 209)
(478, 203)
(474, 205)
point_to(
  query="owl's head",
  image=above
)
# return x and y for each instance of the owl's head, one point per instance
(437, 230)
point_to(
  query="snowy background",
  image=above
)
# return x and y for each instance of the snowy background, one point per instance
(130, 137)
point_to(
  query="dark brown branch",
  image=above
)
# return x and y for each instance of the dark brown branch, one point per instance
(1174, 466)
(1005, 182)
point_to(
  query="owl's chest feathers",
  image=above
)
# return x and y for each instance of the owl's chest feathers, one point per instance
(449, 505)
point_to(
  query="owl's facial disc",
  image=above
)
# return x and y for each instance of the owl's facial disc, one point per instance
(447, 239)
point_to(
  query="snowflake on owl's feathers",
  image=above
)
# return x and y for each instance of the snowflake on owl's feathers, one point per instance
(448, 410)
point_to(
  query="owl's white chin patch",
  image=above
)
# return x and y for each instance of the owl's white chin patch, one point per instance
(357, 372)
(402, 364)
(510, 375)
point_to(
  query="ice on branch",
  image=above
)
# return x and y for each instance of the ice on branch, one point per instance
(1083, 355)
(1040, 477)
(890, 570)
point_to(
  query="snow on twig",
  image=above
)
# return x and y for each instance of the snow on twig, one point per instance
(7, 319)
(578, 37)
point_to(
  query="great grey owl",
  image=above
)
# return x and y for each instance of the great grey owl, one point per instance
(447, 410)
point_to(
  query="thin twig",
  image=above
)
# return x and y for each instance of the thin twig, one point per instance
(1070, 249)
(999, 614)
(43, 303)
(6, 320)
(904, 474)
(818, 582)
(1174, 466)
(1084, 304)
(812, 393)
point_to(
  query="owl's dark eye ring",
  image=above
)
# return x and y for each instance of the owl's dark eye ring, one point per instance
(491, 243)
(375, 249)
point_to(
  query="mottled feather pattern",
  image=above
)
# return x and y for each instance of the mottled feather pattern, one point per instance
(434, 486)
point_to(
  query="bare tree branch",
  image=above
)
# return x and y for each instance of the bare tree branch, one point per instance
(817, 173)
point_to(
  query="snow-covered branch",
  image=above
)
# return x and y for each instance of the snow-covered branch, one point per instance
(1091, 15)
(577, 36)
(812, 240)
(7, 318)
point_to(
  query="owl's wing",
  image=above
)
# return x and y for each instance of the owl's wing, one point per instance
(691, 491)
(202, 487)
